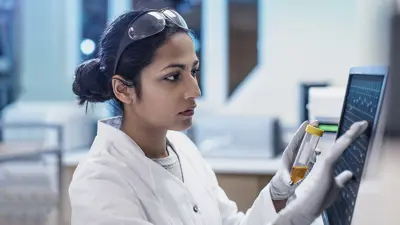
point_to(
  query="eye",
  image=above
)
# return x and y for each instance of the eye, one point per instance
(173, 77)
(196, 72)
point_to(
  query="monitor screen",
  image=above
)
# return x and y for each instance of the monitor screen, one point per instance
(362, 102)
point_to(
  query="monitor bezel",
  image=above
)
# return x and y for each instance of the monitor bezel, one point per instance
(368, 71)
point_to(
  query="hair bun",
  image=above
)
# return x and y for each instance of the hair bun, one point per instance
(91, 84)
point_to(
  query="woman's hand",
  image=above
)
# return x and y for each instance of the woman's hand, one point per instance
(280, 185)
(321, 188)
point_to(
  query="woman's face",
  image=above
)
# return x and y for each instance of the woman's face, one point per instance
(169, 86)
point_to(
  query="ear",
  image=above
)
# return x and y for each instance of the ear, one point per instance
(123, 92)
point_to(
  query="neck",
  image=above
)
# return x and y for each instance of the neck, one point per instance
(152, 141)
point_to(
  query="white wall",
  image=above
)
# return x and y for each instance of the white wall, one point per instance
(215, 51)
(372, 31)
(309, 40)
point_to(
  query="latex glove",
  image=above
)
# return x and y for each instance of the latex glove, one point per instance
(280, 187)
(321, 187)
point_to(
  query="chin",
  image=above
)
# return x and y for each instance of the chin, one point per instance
(181, 125)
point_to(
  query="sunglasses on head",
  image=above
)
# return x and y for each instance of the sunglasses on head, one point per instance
(147, 24)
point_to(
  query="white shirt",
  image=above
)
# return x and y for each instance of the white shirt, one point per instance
(116, 184)
(171, 163)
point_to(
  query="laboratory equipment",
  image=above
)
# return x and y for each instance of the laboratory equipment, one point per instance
(305, 98)
(78, 127)
(325, 105)
(364, 97)
(238, 136)
(305, 154)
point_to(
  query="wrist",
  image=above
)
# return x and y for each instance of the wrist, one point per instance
(279, 204)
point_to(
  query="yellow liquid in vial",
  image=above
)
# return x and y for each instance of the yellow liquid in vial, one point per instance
(298, 173)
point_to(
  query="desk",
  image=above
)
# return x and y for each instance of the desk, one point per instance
(243, 179)
(17, 151)
(254, 166)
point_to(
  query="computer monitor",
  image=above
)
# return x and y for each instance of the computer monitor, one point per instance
(392, 127)
(363, 101)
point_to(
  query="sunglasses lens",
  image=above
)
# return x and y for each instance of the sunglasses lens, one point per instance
(146, 25)
(176, 18)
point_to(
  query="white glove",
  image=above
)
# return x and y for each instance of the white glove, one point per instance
(280, 187)
(321, 188)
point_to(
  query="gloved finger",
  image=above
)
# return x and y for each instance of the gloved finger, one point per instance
(340, 181)
(314, 158)
(290, 152)
(346, 140)
(317, 153)
(343, 178)
(314, 123)
(298, 136)
(291, 198)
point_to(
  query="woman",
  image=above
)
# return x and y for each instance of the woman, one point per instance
(140, 170)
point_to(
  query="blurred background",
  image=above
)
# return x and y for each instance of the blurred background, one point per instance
(266, 67)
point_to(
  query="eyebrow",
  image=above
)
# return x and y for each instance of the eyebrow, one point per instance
(181, 66)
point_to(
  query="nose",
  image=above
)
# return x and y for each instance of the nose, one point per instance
(192, 89)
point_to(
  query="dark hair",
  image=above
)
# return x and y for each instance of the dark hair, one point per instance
(93, 77)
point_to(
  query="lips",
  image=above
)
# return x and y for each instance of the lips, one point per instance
(188, 112)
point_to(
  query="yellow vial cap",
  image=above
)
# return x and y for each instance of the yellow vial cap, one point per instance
(313, 130)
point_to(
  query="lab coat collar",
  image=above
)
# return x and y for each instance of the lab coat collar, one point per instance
(109, 128)
(129, 153)
(125, 149)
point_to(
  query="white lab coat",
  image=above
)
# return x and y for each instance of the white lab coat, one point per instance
(116, 184)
